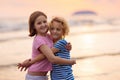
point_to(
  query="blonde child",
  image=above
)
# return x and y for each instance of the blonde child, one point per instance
(59, 29)
(38, 27)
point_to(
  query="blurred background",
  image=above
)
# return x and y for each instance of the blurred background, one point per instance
(94, 35)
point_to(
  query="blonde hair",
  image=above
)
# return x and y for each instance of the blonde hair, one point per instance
(64, 24)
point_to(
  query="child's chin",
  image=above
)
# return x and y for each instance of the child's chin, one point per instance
(55, 38)
(45, 30)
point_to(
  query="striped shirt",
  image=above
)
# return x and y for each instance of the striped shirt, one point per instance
(62, 72)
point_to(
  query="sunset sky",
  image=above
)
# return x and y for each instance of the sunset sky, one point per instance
(23, 8)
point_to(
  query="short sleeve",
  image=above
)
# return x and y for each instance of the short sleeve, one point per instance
(60, 44)
(38, 42)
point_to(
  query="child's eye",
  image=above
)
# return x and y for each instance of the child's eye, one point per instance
(58, 29)
(51, 28)
(39, 23)
(44, 21)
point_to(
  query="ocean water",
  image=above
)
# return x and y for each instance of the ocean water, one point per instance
(95, 47)
(95, 40)
(88, 39)
(13, 24)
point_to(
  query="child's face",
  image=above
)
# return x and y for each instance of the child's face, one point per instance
(56, 30)
(41, 25)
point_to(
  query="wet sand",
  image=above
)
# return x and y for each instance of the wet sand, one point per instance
(16, 46)
(102, 68)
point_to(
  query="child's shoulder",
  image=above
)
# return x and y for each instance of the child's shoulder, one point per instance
(62, 41)
(38, 38)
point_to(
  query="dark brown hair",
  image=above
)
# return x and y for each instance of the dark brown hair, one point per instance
(32, 19)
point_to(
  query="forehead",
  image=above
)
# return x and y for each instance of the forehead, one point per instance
(41, 18)
(56, 24)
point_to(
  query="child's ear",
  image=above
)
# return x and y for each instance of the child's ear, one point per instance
(63, 37)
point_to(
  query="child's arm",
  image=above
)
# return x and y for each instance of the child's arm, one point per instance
(54, 50)
(54, 59)
(68, 46)
(25, 64)
(28, 62)
(39, 57)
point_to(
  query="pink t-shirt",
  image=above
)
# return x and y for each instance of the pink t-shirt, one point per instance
(43, 65)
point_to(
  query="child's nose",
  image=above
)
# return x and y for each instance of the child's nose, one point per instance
(43, 24)
(54, 31)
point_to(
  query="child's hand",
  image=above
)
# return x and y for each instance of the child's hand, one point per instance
(73, 61)
(21, 67)
(24, 65)
(68, 46)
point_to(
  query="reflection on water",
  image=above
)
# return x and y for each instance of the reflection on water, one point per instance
(87, 41)
(88, 67)
(99, 68)
(98, 53)
(96, 43)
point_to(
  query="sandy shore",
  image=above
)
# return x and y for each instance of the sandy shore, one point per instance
(102, 68)
(16, 46)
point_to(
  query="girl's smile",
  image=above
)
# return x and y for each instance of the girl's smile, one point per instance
(41, 25)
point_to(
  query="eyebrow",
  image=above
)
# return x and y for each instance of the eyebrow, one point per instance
(58, 21)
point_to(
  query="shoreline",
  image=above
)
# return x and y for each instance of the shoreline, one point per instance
(102, 71)
(2, 66)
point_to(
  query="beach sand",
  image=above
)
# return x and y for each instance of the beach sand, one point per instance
(16, 46)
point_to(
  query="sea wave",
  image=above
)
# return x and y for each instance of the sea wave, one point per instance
(77, 58)
(15, 24)
(12, 24)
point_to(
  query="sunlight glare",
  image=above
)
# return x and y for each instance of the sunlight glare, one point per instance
(88, 40)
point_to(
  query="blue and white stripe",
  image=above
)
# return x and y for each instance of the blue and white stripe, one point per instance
(62, 72)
